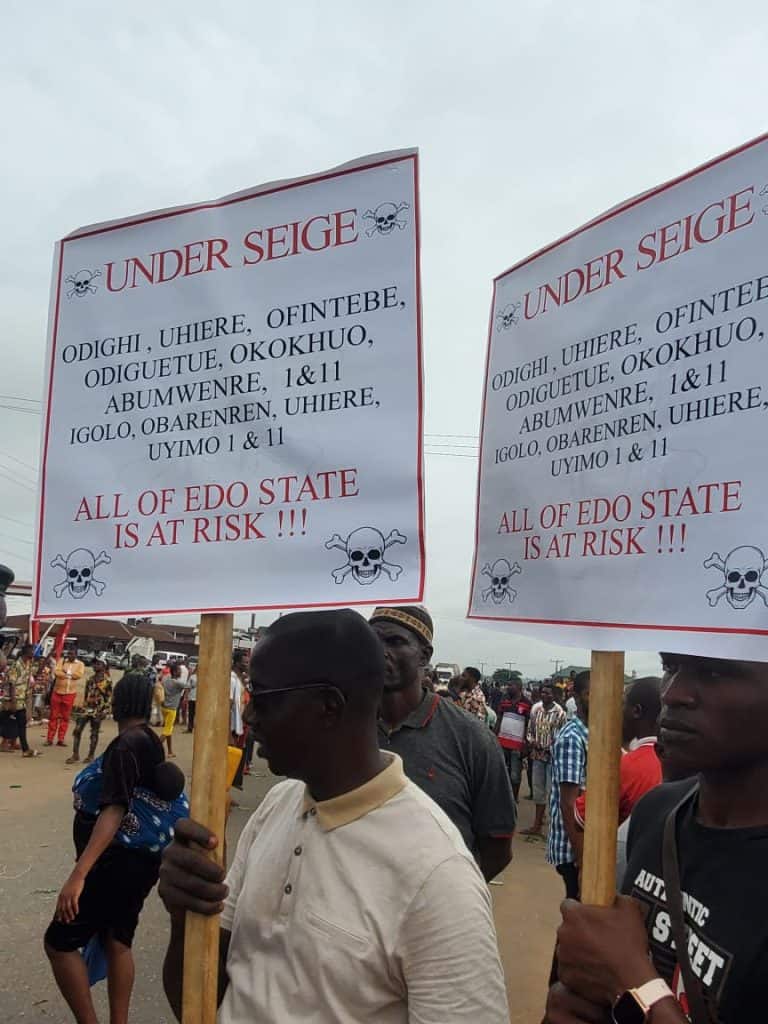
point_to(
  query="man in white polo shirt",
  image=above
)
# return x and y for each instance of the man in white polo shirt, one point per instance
(351, 897)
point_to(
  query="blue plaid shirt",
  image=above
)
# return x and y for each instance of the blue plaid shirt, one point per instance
(569, 764)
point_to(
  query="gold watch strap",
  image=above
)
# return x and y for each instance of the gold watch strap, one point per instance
(652, 992)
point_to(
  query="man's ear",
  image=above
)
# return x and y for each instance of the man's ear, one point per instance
(333, 705)
(426, 653)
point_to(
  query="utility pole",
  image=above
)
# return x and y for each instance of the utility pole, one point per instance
(557, 662)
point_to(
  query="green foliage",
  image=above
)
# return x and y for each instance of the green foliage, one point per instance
(502, 676)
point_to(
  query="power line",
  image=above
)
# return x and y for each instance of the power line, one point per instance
(437, 439)
(19, 522)
(19, 408)
(15, 554)
(19, 482)
(450, 444)
(452, 455)
(433, 434)
(26, 476)
(21, 462)
(18, 540)
(20, 398)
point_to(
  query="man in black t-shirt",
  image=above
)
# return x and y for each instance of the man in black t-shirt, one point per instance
(714, 722)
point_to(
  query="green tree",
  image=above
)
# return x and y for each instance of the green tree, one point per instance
(502, 676)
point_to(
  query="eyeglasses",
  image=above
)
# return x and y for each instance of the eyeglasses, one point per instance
(258, 695)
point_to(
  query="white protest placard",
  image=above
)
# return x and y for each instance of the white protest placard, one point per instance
(623, 479)
(234, 413)
(512, 727)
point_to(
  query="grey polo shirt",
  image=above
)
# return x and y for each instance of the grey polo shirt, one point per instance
(456, 760)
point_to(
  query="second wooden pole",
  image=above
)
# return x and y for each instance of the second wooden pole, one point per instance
(598, 872)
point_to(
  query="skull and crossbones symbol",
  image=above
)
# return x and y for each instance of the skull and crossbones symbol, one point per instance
(386, 217)
(499, 574)
(365, 549)
(79, 566)
(82, 282)
(742, 571)
(507, 316)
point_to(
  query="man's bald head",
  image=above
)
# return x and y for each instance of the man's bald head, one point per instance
(642, 707)
(334, 647)
(645, 692)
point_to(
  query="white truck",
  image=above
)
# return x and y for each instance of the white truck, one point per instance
(446, 672)
(143, 645)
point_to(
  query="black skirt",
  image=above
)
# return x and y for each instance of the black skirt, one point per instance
(112, 898)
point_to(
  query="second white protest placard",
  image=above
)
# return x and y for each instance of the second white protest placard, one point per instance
(623, 480)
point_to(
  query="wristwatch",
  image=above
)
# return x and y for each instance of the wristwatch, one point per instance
(634, 1005)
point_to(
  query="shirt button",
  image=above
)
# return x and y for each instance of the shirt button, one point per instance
(288, 889)
(297, 851)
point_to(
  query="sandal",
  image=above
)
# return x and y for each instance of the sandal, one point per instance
(31, 753)
(72, 760)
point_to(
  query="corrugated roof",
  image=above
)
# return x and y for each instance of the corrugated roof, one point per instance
(112, 629)
(166, 632)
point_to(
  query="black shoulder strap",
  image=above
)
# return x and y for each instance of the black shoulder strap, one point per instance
(698, 1009)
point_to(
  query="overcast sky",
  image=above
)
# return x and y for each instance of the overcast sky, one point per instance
(531, 118)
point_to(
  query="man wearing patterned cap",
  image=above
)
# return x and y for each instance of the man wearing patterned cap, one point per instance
(449, 754)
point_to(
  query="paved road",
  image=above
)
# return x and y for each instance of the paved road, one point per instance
(36, 856)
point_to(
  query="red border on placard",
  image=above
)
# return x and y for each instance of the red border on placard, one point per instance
(621, 208)
(256, 193)
(48, 403)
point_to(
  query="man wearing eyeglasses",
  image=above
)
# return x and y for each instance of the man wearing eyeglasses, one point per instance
(334, 909)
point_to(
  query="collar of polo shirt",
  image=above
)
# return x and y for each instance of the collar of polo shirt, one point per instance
(421, 715)
(344, 809)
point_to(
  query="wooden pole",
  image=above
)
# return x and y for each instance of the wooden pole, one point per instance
(598, 873)
(209, 767)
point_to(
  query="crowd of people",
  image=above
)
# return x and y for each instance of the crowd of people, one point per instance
(307, 905)
(54, 692)
(358, 889)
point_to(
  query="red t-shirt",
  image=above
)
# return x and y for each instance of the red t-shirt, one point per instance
(640, 771)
